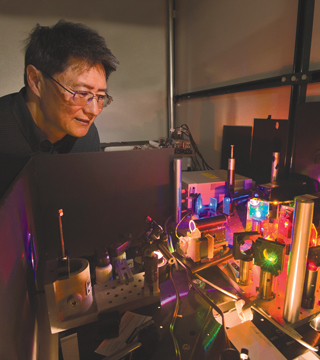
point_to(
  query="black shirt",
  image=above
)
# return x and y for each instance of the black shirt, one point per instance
(21, 138)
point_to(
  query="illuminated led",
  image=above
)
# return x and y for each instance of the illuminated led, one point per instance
(273, 259)
(258, 214)
(312, 266)
(159, 254)
(254, 202)
(192, 226)
(269, 237)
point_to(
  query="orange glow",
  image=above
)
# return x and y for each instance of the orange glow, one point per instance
(269, 237)
(314, 240)
(312, 266)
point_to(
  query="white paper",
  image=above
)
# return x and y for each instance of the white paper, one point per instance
(129, 322)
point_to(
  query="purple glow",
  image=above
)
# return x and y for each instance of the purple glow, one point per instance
(172, 297)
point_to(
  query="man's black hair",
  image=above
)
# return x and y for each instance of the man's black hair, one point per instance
(49, 48)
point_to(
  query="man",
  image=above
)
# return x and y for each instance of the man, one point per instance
(66, 71)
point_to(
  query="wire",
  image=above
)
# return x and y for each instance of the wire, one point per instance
(235, 297)
(206, 319)
(166, 223)
(170, 244)
(194, 145)
(176, 229)
(185, 130)
(210, 302)
(169, 240)
(174, 318)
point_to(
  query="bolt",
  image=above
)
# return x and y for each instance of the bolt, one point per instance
(186, 347)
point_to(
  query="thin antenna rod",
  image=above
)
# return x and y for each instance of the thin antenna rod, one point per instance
(61, 233)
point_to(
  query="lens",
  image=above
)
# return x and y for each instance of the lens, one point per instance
(107, 101)
(85, 97)
(82, 98)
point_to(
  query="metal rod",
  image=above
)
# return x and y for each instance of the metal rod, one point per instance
(61, 233)
(265, 285)
(171, 66)
(177, 186)
(309, 288)
(235, 297)
(231, 173)
(302, 220)
(300, 65)
(275, 166)
(230, 89)
(244, 276)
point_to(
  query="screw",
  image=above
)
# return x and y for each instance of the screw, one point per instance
(186, 347)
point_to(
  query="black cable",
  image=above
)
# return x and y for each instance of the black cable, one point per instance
(186, 131)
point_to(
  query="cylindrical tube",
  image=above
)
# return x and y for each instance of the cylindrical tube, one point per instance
(230, 181)
(74, 294)
(177, 185)
(275, 166)
(300, 237)
(265, 286)
(309, 288)
(244, 276)
(61, 234)
(166, 253)
(103, 274)
(171, 65)
(256, 225)
(151, 278)
(207, 223)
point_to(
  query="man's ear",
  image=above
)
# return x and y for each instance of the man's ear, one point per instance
(34, 77)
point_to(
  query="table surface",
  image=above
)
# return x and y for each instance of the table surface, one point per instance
(197, 333)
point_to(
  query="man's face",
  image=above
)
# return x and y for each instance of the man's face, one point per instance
(60, 115)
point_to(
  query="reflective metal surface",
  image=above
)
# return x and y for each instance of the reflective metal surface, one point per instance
(315, 323)
(302, 220)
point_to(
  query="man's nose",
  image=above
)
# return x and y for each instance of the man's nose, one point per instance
(93, 108)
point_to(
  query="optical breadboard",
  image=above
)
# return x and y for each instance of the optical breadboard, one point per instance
(114, 295)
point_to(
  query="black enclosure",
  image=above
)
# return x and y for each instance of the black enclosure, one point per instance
(307, 144)
(104, 196)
